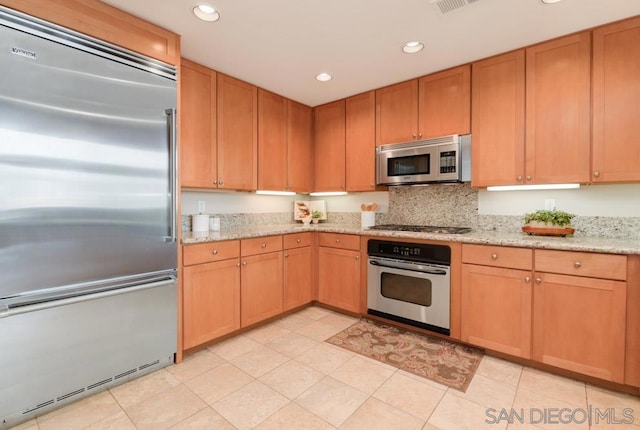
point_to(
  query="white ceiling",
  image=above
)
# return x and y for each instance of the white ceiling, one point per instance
(281, 45)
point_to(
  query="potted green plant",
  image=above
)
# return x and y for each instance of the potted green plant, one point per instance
(550, 222)
(316, 215)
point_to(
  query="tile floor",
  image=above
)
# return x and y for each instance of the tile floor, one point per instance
(283, 376)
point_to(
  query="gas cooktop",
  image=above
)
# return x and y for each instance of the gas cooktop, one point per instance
(422, 228)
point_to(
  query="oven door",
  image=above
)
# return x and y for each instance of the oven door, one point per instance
(413, 293)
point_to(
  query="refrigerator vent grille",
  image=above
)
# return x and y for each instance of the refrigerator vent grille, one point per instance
(445, 6)
(97, 384)
(71, 394)
(144, 366)
(123, 374)
(39, 406)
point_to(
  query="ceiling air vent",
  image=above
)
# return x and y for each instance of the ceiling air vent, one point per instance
(445, 6)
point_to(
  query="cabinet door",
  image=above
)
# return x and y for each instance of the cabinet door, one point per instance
(299, 147)
(616, 91)
(397, 113)
(496, 309)
(272, 141)
(497, 129)
(211, 301)
(329, 147)
(339, 278)
(558, 130)
(261, 290)
(579, 324)
(237, 134)
(444, 103)
(198, 126)
(361, 142)
(297, 277)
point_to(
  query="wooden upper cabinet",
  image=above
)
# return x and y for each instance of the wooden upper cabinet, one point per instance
(558, 88)
(444, 103)
(99, 20)
(360, 142)
(198, 126)
(237, 134)
(616, 111)
(497, 128)
(330, 147)
(272, 141)
(397, 113)
(299, 147)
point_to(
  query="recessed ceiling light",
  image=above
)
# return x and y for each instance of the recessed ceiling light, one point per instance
(412, 47)
(206, 12)
(324, 77)
(550, 1)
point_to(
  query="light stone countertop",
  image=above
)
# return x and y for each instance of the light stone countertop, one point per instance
(579, 243)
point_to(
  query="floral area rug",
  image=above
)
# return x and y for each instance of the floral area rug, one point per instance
(437, 359)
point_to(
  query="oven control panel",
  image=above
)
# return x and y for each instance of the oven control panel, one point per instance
(428, 253)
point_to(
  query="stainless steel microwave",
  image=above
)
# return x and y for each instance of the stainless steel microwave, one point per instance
(443, 159)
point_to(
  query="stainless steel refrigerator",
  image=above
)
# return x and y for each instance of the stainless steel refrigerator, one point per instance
(88, 295)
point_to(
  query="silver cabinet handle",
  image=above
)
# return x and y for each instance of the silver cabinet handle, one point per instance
(538, 280)
(214, 252)
(577, 264)
(494, 256)
(527, 279)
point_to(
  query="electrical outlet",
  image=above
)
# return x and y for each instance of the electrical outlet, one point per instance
(550, 204)
(201, 206)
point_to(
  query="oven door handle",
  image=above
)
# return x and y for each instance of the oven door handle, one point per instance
(411, 267)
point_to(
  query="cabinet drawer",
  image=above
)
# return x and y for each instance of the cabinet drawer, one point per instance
(260, 245)
(208, 252)
(296, 240)
(607, 266)
(498, 256)
(337, 240)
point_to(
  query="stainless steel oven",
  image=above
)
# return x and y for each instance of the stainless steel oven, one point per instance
(410, 283)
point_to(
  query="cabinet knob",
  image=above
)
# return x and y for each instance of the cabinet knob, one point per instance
(372, 186)
(538, 280)
(596, 174)
(215, 182)
(286, 255)
(221, 182)
(337, 240)
(298, 240)
(244, 263)
(357, 257)
(527, 279)
(413, 135)
(264, 245)
(214, 252)
(519, 178)
(237, 264)
(528, 177)
(420, 135)
(577, 264)
(494, 256)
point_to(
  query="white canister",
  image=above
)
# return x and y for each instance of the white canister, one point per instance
(199, 223)
(368, 218)
(214, 224)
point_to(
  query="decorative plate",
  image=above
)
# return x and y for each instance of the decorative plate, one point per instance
(548, 231)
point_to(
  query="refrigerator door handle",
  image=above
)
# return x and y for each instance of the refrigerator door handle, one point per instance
(173, 173)
(82, 298)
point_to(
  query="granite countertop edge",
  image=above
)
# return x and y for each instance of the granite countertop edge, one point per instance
(577, 243)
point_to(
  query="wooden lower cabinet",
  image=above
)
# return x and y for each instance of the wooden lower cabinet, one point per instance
(261, 287)
(579, 324)
(211, 301)
(496, 309)
(297, 272)
(339, 278)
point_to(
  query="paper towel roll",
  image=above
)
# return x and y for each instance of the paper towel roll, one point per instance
(200, 223)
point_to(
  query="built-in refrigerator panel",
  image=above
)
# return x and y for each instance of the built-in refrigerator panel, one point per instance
(85, 184)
